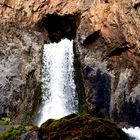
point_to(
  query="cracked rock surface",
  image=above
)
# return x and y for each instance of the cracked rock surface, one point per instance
(108, 44)
(20, 62)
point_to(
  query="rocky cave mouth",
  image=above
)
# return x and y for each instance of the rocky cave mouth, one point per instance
(59, 27)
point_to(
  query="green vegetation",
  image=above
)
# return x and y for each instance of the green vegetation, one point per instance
(12, 133)
(38, 96)
(81, 127)
(4, 121)
(78, 78)
(38, 93)
(37, 100)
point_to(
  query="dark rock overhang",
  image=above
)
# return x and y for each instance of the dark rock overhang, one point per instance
(58, 27)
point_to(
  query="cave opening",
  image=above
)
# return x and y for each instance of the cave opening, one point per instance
(59, 27)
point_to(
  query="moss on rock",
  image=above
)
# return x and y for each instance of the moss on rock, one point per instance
(81, 127)
(38, 92)
(5, 120)
(71, 127)
(78, 78)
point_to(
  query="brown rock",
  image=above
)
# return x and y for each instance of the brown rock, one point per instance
(108, 43)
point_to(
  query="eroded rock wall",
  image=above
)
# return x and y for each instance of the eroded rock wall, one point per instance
(20, 65)
(108, 44)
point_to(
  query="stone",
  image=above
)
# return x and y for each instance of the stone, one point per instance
(20, 62)
(106, 39)
(70, 127)
(81, 127)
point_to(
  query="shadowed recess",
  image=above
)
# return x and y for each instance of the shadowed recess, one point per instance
(60, 26)
(118, 51)
(137, 5)
(91, 38)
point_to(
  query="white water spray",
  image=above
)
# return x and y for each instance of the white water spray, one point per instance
(134, 133)
(58, 84)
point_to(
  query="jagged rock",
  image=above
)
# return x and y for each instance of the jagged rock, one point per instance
(114, 52)
(99, 93)
(20, 63)
(30, 136)
(107, 39)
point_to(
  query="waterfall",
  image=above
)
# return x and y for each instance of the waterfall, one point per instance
(134, 133)
(59, 98)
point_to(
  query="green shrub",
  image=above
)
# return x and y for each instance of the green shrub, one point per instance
(12, 133)
(5, 121)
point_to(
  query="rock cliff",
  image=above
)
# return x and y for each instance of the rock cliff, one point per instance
(20, 64)
(106, 36)
(108, 43)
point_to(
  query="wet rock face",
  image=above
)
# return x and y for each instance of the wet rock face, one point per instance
(99, 93)
(130, 114)
(125, 105)
(20, 62)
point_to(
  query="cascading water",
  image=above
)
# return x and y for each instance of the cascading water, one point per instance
(59, 97)
(134, 133)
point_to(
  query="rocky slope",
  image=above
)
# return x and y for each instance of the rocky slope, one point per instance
(106, 34)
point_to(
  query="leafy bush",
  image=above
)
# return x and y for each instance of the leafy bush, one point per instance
(12, 133)
(4, 121)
